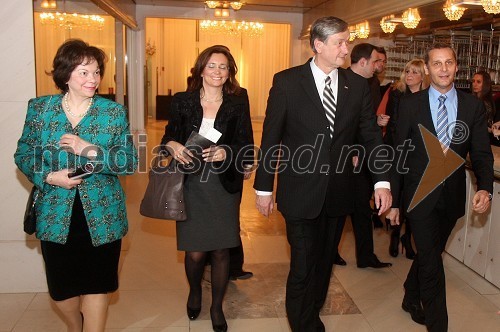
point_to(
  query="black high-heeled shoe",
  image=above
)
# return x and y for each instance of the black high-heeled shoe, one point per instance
(220, 328)
(193, 313)
(394, 245)
(406, 245)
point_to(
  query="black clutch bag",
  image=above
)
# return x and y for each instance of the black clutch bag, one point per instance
(30, 213)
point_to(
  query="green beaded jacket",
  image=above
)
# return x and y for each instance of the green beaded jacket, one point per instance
(105, 126)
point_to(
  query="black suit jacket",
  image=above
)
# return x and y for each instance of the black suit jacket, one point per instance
(311, 169)
(232, 120)
(414, 109)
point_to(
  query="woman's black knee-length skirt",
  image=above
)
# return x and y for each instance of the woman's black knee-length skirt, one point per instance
(77, 267)
(213, 216)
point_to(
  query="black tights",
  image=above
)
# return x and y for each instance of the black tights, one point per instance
(195, 265)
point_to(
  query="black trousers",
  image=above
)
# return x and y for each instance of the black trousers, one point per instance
(361, 218)
(313, 244)
(426, 280)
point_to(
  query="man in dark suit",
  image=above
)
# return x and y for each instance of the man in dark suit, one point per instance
(432, 214)
(314, 112)
(364, 59)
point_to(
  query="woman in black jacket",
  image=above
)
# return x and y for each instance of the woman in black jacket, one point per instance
(214, 103)
(413, 79)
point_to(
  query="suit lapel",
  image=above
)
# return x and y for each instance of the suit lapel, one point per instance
(309, 86)
(425, 113)
(461, 118)
(342, 91)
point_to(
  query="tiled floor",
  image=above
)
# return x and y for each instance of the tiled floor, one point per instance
(153, 288)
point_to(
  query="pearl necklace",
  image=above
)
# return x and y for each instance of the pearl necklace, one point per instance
(66, 105)
(212, 101)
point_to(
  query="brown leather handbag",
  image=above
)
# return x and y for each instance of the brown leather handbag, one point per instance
(164, 196)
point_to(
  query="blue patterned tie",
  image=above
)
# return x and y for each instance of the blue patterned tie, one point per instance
(442, 124)
(329, 104)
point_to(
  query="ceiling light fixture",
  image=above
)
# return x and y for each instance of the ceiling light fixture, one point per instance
(363, 30)
(49, 4)
(388, 24)
(452, 11)
(491, 6)
(251, 29)
(71, 21)
(411, 18)
(352, 33)
(235, 5)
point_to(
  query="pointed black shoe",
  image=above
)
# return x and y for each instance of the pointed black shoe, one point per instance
(193, 313)
(220, 328)
(415, 310)
(375, 263)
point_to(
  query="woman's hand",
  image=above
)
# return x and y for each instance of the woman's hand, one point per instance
(495, 128)
(179, 152)
(214, 153)
(61, 179)
(74, 144)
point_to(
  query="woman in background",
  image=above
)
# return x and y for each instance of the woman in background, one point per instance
(413, 79)
(481, 88)
(214, 100)
(80, 222)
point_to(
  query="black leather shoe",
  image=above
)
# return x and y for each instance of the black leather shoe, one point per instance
(339, 261)
(416, 311)
(193, 313)
(375, 263)
(242, 275)
(220, 328)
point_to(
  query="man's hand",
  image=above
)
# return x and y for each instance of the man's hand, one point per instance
(393, 216)
(481, 201)
(265, 204)
(383, 199)
(383, 120)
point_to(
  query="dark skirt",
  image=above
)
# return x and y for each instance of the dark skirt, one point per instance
(213, 216)
(77, 267)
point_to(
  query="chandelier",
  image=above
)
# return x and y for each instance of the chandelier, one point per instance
(411, 18)
(491, 6)
(71, 21)
(221, 8)
(452, 11)
(49, 4)
(363, 30)
(352, 33)
(251, 29)
(388, 24)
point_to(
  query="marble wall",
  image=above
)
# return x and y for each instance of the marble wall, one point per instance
(20, 260)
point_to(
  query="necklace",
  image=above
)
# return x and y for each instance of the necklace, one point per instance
(66, 105)
(214, 100)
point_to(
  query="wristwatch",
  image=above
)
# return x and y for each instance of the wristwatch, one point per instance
(490, 196)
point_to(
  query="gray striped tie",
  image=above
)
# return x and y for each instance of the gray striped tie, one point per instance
(329, 104)
(442, 124)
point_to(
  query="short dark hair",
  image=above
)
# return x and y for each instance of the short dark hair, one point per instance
(231, 86)
(437, 46)
(71, 54)
(381, 50)
(362, 51)
(324, 27)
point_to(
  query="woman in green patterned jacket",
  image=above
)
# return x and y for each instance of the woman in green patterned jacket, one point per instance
(80, 221)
